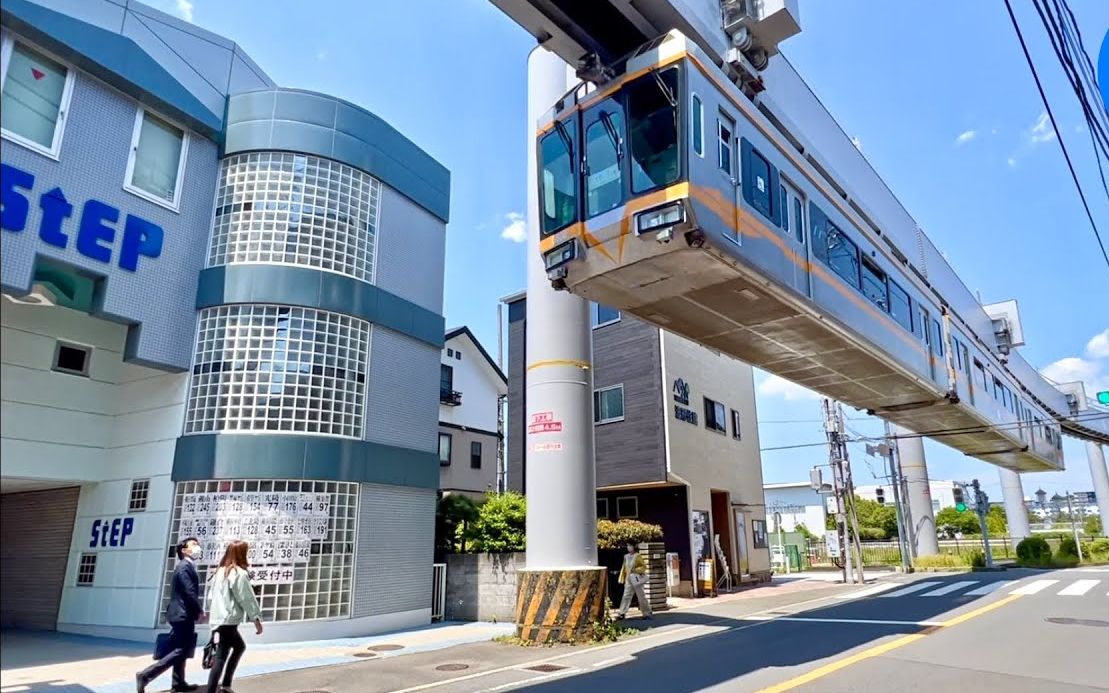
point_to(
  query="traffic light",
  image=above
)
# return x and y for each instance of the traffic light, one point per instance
(1103, 397)
(960, 497)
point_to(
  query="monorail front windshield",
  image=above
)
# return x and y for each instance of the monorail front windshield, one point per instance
(630, 142)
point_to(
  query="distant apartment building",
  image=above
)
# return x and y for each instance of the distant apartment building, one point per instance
(676, 439)
(471, 387)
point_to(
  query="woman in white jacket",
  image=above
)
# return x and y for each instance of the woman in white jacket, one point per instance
(233, 602)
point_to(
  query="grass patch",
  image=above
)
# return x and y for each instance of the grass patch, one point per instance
(946, 560)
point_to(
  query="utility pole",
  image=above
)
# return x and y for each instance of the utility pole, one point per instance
(982, 506)
(1074, 527)
(847, 524)
(888, 451)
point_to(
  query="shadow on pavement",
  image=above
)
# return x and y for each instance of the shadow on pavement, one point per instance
(746, 646)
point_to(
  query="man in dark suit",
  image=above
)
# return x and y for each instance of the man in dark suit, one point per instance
(183, 612)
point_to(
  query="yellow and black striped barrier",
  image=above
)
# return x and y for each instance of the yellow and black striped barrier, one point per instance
(559, 605)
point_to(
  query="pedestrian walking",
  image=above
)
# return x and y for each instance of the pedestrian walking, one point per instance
(182, 613)
(233, 602)
(633, 576)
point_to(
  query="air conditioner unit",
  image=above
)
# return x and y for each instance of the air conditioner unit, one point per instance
(38, 296)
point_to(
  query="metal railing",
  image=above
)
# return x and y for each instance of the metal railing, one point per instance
(880, 553)
(438, 591)
(451, 398)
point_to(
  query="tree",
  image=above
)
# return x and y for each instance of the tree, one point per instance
(876, 516)
(800, 527)
(1092, 526)
(950, 521)
(452, 515)
(500, 524)
(996, 521)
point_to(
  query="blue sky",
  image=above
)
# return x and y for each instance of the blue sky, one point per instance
(938, 96)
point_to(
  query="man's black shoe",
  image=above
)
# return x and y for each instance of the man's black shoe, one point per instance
(185, 688)
(140, 684)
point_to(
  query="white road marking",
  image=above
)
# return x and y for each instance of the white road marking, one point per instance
(1034, 587)
(948, 589)
(1078, 588)
(614, 660)
(912, 588)
(989, 588)
(870, 591)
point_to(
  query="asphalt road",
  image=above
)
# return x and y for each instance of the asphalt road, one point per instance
(1014, 631)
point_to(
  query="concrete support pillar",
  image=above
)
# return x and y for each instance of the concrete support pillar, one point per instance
(1096, 457)
(914, 470)
(1013, 493)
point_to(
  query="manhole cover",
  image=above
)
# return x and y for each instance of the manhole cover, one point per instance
(385, 648)
(1078, 622)
(545, 668)
(365, 655)
(452, 667)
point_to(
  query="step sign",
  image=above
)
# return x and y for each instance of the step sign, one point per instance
(544, 422)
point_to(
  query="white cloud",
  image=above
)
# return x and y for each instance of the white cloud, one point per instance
(185, 9)
(1091, 369)
(1098, 346)
(775, 386)
(965, 137)
(1011, 161)
(1042, 131)
(516, 229)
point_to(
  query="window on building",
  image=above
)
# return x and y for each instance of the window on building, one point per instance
(762, 196)
(450, 353)
(72, 359)
(627, 507)
(602, 508)
(444, 449)
(140, 493)
(475, 455)
(874, 284)
(608, 404)
(697, 121)
(35, 98)
(156, 165)
(458, 355)
(603, 315)
(715, 416)
(724, 129)
(737, 426)
(446, 379)
(900, 307)
(604, 150)
(86, 570)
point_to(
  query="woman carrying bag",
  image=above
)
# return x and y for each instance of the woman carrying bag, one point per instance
(233, 602)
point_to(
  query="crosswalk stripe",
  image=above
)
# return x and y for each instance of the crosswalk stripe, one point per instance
(870, 591)
(948, 589)
(1034, 587)
(1078, 588)
(989, 588)
(912, 588)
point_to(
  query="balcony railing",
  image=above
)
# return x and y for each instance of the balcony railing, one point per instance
(451, 398)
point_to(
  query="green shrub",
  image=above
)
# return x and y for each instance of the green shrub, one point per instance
(943, 560)
(872, 533)
(1068, 547)
(500, 524)
(1033, 551)
(1100, 546)
(452, 515)
(616, 535)
(977, 559)
(1092, 525)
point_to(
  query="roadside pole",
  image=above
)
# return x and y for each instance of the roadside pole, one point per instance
(982, 506)
(838, 490)
(1074, 527)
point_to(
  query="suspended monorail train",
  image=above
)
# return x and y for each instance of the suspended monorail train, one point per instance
(666, 192)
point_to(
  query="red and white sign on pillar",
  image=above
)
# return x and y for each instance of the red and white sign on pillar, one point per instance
(544, 422)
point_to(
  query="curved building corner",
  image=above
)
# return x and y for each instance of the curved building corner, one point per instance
(222, 319)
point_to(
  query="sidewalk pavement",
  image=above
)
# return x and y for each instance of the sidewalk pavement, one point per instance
(64, 663)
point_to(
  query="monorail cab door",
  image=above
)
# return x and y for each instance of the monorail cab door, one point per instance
(605, 165)
(922, 328)
(792, 211)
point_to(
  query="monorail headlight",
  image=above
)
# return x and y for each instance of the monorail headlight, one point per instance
(560, 255)
(658, 218)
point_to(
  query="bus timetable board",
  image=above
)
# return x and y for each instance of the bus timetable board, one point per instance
(279, 526)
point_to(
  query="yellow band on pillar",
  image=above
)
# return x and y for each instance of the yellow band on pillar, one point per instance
(584, 365)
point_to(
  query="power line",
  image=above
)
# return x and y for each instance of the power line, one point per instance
(1051, 115)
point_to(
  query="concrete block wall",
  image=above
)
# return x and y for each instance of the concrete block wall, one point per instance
(482, 587)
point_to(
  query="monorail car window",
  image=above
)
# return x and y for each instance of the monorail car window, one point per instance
(724, 129)
(921, 324)
(843, 255)
(937, 338)
(560, 180)
(604, 180)
(792, 210)
(652, 106)
(697, 125)
(758, 185)
(874, 285)
(900, 307)
(966, 358)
